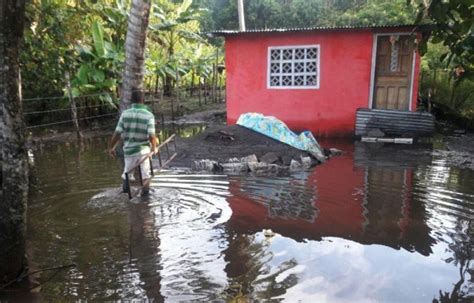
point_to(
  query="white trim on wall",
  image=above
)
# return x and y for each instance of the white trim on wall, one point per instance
(410, 107)
(374, 62)
(318, 66)
(372, 71)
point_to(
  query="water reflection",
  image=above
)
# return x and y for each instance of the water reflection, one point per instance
(371, 204)
(463, 251)
(371, 225)
(183, 131)
(144, 251)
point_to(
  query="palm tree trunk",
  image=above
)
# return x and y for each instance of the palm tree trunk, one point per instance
(13, 160)
(134, 50)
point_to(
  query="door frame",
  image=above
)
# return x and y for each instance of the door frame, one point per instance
(374, 61)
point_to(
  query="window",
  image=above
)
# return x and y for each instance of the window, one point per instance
(293, 67)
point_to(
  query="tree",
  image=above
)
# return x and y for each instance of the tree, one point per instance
(303, 13)
(48, 46)
(14, 193)
(134, 50)
(378, 13)
(453, 26)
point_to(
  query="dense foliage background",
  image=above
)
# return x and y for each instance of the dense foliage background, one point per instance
(86, 38)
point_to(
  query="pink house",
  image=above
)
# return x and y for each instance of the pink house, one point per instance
(317, 78)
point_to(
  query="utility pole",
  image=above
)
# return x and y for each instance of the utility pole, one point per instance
(240, 7)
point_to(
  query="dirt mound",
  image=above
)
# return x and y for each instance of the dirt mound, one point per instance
(221, 143)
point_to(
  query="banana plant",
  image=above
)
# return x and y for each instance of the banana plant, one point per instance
(172, 26)
(99, 66)
(116, 17)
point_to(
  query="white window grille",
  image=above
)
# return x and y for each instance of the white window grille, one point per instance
(295, 67)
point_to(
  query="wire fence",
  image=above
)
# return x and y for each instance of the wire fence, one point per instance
(91, 109)
(63, 97)
(62, 109)
(70, 121)
(40, 113)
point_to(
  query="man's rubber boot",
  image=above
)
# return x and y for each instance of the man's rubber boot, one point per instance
(125, 187)
(145, 192)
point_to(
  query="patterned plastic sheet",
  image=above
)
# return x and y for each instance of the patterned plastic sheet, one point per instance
(276, 129)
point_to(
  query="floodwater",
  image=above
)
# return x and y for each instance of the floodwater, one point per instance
(360, 228)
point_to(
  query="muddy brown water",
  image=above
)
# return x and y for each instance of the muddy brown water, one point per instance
(350, 230)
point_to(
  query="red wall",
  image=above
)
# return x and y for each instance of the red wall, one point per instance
(340, 212)
(416, 80)
(345, 67)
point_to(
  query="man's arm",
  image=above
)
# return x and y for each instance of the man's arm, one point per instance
(153, 143)
(115, 138)
(113, 143)
(151, 133)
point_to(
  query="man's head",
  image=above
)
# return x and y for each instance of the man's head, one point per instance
(137, 96)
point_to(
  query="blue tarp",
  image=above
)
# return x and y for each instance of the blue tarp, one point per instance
(276, 129)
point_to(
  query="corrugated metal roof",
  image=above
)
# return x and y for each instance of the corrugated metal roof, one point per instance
(422, 27)
(394, 122)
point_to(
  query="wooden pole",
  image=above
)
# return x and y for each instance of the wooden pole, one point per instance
(205, 90)
(220, 87)
(152, 105)
(72, 104)
(211, 89)
(214, 80)
(452, 95)
(172, 108)
(177, 90)
(213, 77)
(193, 76)
(432, 91)
(199, 91)
(162, 93)
(157, 83)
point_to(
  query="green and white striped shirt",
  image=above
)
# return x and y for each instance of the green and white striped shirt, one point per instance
(136, 125)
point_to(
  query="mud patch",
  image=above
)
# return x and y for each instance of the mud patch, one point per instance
(459, 151)
(224, 144)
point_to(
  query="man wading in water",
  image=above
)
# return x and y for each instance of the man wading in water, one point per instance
(136, 127)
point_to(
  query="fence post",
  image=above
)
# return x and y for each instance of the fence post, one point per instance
(453, 91)
(177, 91)
(193, 76)
(219, 86)
(206, 80)
(199, 91)
(214, 80)
(73, 106)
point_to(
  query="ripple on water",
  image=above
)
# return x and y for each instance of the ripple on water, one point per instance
(185, 214)
(339, 232)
